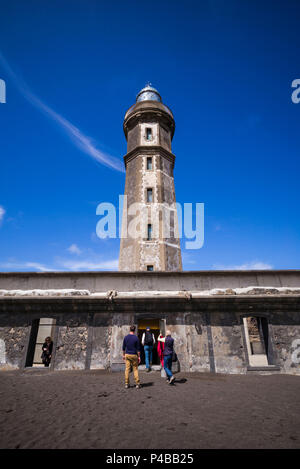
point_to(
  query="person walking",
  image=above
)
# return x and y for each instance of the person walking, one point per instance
(148, 341)
(131, 355)
(168, 353)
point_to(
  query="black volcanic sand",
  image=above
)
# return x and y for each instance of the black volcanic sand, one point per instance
(92, 409)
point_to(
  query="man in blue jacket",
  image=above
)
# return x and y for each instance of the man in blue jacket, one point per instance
(131, 355)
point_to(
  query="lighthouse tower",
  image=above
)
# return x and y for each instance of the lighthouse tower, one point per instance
(150, 233)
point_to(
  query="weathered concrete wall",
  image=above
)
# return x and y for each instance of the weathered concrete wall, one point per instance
(191, 349)
(145, 281)
(71, 347)
(13, 346)
(228, 347)
(287, 344)
(209, 333)
(133, 138)
(165, 138)
(100, 334)
(128, 249)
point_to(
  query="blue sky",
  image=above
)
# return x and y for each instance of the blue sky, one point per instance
(73, 68)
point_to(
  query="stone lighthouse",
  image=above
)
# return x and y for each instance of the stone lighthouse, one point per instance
(150, 238)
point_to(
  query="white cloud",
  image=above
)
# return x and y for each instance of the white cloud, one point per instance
(82, 142)
(74, 249)
(26, 265)
(2, 213)
(254, 265)
(38, 266)
(89, 265)
(63, 264)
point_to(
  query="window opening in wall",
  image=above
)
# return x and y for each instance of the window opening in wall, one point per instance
(149, 163)
(150, 268)
(256, 331)
(148, 133)
(149, 195)
(149, 232)
(40, 329)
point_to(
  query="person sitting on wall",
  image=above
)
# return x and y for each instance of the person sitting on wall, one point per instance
(168, 353)
(148, 341)
(47, 351)
(131, 355)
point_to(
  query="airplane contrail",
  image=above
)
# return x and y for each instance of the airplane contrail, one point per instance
(83, 142)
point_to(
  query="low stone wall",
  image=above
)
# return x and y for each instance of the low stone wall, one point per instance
(209, 333)
(149, 281)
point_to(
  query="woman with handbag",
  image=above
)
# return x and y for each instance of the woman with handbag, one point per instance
(168, 354)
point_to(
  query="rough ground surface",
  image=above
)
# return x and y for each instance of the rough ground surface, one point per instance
(91, 409)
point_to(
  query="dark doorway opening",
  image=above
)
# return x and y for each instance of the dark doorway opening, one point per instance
(40, 329)
(155, 326)
(257, 337)
(32, 342)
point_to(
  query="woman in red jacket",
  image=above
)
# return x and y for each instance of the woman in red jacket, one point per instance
(160, 351)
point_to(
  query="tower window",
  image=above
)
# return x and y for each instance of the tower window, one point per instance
(150, 268)
(148, 133)
(149, 195)
(149, 163)
(149, 232)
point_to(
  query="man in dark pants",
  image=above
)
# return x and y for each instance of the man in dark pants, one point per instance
(131, 355)
(148, 341)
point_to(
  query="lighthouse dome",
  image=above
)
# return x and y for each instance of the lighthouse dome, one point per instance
(148, 94)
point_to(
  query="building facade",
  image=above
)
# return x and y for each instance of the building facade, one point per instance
(222, 321)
